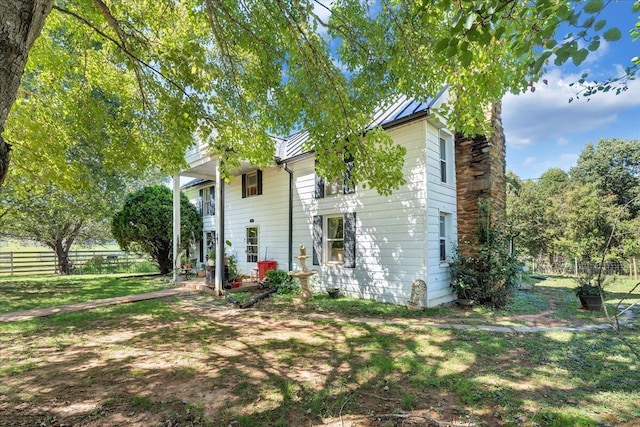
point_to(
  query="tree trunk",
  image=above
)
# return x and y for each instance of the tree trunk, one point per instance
(62, 255)
(21, 23)
(164, 260)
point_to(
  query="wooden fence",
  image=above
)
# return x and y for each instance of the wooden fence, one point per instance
(83, 262)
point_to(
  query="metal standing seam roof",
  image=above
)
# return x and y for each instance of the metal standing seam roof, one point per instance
(403, 108)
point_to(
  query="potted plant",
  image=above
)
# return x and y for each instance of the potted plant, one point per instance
(463, 276)
(333, 292)
(589, 295)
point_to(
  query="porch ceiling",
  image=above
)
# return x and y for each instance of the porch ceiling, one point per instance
(205, 168)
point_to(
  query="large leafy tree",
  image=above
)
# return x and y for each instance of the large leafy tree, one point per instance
(247, 69)
(145, 224)
(613, 166)
(527, 219)
(55, 217)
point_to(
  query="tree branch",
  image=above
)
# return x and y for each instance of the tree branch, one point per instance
(113, 23)
(123, 49)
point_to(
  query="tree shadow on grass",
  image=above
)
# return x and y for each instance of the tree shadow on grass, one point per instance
(153, 363)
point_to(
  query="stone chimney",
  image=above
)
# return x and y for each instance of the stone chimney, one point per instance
(480, 175)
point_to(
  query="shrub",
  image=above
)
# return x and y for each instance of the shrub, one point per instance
(143, 267)
(94, 265)
(281, 280)
(490, 275)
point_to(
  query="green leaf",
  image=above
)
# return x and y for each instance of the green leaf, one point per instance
(442, 45)
(600, 24)
(612, 35)
(561, 57)
(468, 23)
(537, 66)
(579, 56)
(466, 56)
(594, 45)
(594, 6)
(636, 7)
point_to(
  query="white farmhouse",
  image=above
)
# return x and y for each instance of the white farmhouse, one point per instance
(368, 245)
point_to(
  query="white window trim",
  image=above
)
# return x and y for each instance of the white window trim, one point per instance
(448, 218)
(449, 158)
(257, 245)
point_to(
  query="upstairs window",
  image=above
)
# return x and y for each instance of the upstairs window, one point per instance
(208, 201)
(443, 160)
(252, 184)
(343, 185)
(333, 187)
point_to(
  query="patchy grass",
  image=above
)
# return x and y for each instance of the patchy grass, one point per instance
(23, 293)
(197, 361)
(187, 361)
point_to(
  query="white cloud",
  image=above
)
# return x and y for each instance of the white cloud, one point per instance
(534, 167)
(547, 115)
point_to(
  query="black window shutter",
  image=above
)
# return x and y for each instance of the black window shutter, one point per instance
(348, 187)
(317, 239)
(350, 240)
(259, 179)
(201, 201)
(244, 185)
(319, 185)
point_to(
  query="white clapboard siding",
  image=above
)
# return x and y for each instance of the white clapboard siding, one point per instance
(393, 232)
(268, 212)
(397, 236)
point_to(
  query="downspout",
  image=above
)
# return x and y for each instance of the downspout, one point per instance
(290, 172)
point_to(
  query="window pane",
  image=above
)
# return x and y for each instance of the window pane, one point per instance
(443, 250)
(335, 228)
(443, 160)
(252, 184)
(443, 231)
(336, 251)
(333, 187)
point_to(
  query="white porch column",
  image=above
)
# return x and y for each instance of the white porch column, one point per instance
(176, 227)
(219, 243)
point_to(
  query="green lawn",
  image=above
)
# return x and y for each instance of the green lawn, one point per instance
(196, 361)
(23, 293)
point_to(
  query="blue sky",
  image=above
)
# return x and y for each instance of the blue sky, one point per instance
(543, 130)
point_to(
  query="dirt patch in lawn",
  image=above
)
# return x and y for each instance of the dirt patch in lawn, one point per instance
(202, 362)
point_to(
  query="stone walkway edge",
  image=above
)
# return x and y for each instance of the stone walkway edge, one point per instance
(626, 318)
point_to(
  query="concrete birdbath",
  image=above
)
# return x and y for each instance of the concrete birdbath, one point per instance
(303, 273)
